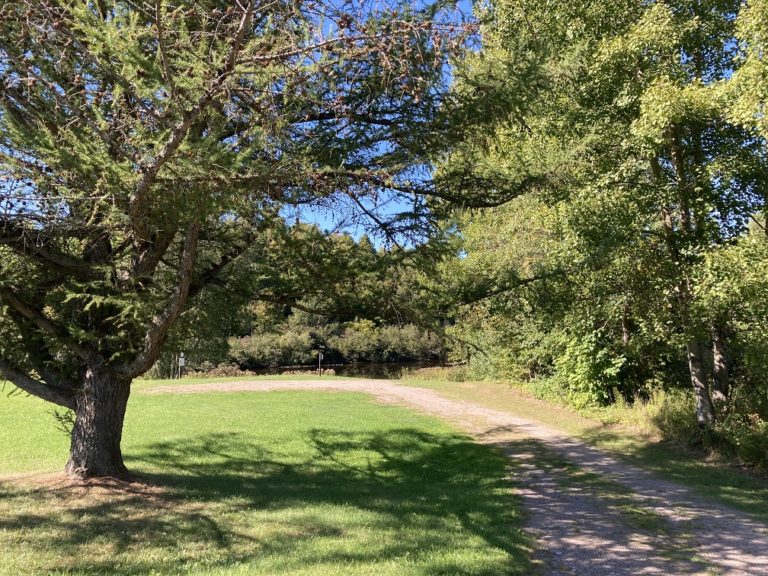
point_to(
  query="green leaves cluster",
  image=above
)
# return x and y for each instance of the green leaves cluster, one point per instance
(630, 146)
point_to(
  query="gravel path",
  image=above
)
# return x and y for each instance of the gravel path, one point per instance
(589, 513)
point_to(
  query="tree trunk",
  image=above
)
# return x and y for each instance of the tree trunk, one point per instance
(721, 368)
(705, 415)
(626, 332)
(98, 430)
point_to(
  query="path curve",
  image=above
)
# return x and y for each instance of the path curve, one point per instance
(578, 531)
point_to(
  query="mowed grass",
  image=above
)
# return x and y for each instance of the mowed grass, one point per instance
(288, 483)
(714, 479)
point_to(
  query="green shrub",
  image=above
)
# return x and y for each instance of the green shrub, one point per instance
(675, 418)
(746, 435)
(407, 343)
(363, 341)
(448, 373)
(591, 369)
(752, 447)
(551, 388)
(270, 350)
(358, 342)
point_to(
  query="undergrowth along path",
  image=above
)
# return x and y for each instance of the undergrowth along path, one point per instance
(591, 514)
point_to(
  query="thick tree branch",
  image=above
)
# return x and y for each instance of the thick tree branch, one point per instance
(149, 253)
(38, 348)
(49, 392)
(212, 273)
(32, 244)
(478, 293)
(292, 303)
(161, 323)
(45, 324)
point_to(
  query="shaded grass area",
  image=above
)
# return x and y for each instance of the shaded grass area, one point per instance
(718, 480)
(299, 483)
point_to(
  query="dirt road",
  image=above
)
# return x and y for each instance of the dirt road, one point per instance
(589, 513)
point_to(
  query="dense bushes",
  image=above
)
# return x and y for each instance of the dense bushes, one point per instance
(358, 341)
(363, 341)
(265, 350)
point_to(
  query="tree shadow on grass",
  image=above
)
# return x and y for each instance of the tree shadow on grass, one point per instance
(405, 500)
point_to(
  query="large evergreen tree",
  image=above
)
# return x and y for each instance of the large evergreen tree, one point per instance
(145, 146)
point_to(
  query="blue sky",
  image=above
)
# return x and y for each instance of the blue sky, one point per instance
(334, 218)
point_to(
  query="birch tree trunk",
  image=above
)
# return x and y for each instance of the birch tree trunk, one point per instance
(721, 363)
(705, 415)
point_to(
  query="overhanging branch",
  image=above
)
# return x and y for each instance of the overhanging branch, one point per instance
(478, 294)
(33, 244)
(47, 325)
(51, 393)
(212, 273)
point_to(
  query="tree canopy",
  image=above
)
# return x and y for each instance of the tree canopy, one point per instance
(145, 146)
(596, 172)
(632, 137)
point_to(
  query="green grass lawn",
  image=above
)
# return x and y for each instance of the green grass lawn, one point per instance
(717, 480)
(288, 483)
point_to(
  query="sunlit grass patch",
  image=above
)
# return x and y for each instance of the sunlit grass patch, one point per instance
(299, 483)
(144, 384)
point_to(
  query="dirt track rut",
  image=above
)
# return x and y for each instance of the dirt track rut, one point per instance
(590, 514)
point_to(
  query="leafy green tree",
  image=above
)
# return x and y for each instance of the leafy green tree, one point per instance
(145, 147)
(359, 302)
(747, 90)
(618, 116)
(749, 83)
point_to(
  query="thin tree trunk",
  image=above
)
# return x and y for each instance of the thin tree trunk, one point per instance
(705, 415)
(626, 332)
(95, 448)
(721, 366)
(690, 229)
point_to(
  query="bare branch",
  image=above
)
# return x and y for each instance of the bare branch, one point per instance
(383, 226)
(167, 75)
